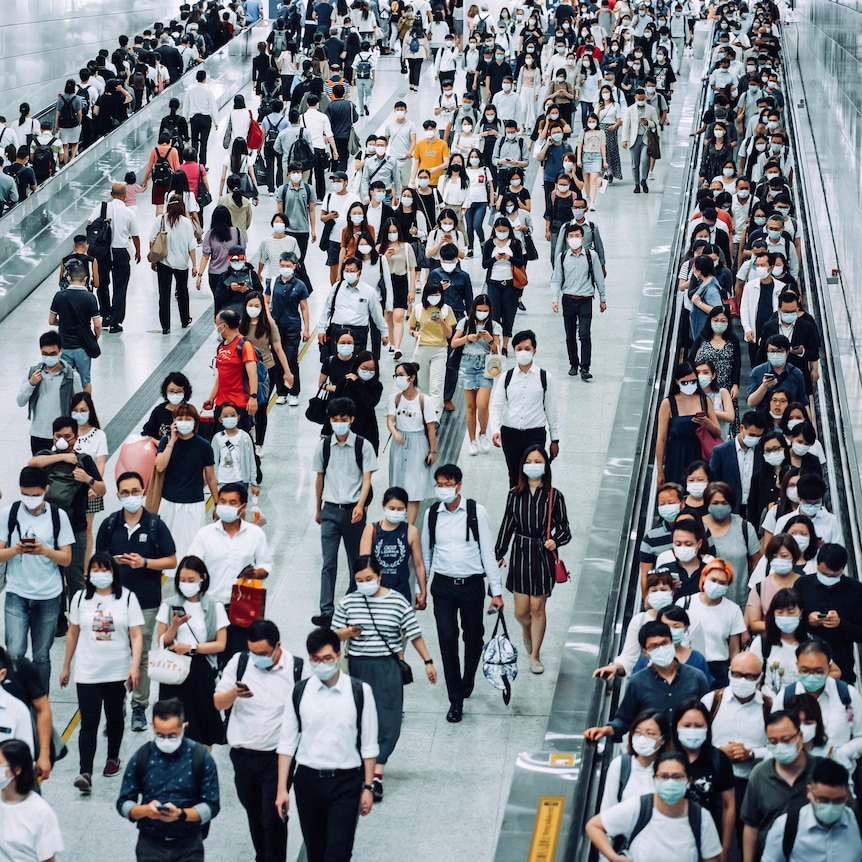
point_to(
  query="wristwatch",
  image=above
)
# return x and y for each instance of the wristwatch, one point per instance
(368, 787)
(253, 395)
(192, 651)
(429, 661)
(182, 816)
(91, 482)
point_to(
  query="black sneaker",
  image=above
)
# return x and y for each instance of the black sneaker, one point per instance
(585, 375)
(573, 371)
(322, 621)
(521, 306)
(377, 789)
(139, 718)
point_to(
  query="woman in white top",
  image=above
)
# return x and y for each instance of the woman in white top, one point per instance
(465, 138)
(445, 233)
(240, 120)
(800, 528)
(631, 773)
(240, 164)
(105, 629)
(27, 127)
(411, 418)
(454, 188)
(182, 252)
(29, 829)
(721, 400)
(529, 88)
(610, 114)
(716, 622)
(786, 629)
(479, 194)
(191, 623)
(727, 178)
(268, 254)
(92, 441)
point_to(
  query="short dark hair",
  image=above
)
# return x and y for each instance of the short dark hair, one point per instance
(177, 378)
(704, 265)
(366, 561)
(201, 75)
(62, 422)
(812, 487)
(51, 338)
(129, 474)
(33, 477)
(235, 488)
(814, 646)
(754, 418)
(449, 471)
(320, 638)
(780, 715)
(264, 630)
(524, 335)
(341, 407)
(831, 554)
(395, 493)
(229, 317)
(653, 629)
(828, 772)
(172, 707)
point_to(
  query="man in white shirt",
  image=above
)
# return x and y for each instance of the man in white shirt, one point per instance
(15, 720)
(350, 306)
(229, 547)
(457, 539)
(319, 128)
(522, 405)
(257, 686)
(330, 729)
(200, 107)
(124, 230)
(8, 135)
(401, 136)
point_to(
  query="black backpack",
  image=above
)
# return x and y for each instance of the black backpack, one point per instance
(363, 67)
(171, 125)
(301, 151)
(472, 523)
(695, 817)
(357, 449)
(99, 235)
(84, 95)
(162, 170)
(14, 170)
(68, 118)
(272, 132)
(138, 81)
(44, 162)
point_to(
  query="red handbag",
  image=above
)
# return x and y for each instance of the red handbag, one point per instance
(255, 134)
(708, 441)
(732, 305)
(561, 573)
(247, 602)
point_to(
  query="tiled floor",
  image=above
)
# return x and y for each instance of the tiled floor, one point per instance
(446, 784)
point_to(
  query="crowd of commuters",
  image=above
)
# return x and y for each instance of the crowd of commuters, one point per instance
(739, 709)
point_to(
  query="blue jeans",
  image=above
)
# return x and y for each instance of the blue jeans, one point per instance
(79, 360)
(474, 216)
(363, 92)
(38, 617)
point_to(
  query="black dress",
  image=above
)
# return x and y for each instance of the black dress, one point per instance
(366, 396)
(525, 525)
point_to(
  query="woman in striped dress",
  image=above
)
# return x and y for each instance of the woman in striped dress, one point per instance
(375, 619)
(531, 564)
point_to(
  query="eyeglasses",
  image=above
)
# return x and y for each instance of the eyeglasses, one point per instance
(675, 776)
(785, 741)
(751, 677)
(327, 659)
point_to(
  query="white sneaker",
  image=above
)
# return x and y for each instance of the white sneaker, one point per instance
(651, 177)
(293, 401)
(258, 450)
(474, 447)
(282, 399)
(592, 205)
(485, 443)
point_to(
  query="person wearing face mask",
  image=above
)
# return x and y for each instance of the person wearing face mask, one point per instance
(233, 450)
(400, 135)
(47, 390)
(454, 186)
(759, 302)
(361, 384)
(432, 324)
(142, 547)
(697, 478)
(536, 524)
(716, 622)
(670, 823)
(508, 103)
(662, 686)
(501, 256)
(592, 154)
(415, 49)
(775, 375)
(381, 168)
(394, 542)
(639, 119)
(30, 826)
(109, 617)
(529, 87)
(610, 112)
(809, 491)
(431, 154)
(549, 150)
(736, 461)
(803, 442)
(825, 825)
(240, 278)
(180, 776)
(268, 254)
(373, 619)
(256, 687)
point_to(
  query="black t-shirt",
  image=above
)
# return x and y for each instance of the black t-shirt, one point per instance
(184, 479)
(159, 423)
(77, 512)
(73, 306)
(146, 584)
(336, 369)
(711, 775)
(23, 681)
(86, 260)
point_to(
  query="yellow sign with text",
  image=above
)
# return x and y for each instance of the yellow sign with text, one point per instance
(546, 829)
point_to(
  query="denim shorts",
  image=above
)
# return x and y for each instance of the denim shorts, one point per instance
(592, 163)
(79, 360)
(471, 373)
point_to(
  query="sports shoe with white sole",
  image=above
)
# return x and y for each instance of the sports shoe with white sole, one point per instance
(474, 447)
(282, 399)
(293, 401)
(485, 443)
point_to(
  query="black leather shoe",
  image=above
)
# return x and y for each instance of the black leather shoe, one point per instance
(115, 328)
(321, 621)
(166, 332)
(636, 190)
(468, 690)
(585, 375)
(573, 371)
(456, 710)
(645, 188)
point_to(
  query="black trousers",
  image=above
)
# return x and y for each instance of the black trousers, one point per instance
(514, 441)
(274, 167)
(151, 849)
(341, 145)
(453, 363)
(119, 271)
(255, 774)
(578, 320)
(165, 275)
(291, 343)
(201, 125)
(415, 66)
(321, 166)
(91, 697)
(301, 272)
(450, 600)
(328, 812)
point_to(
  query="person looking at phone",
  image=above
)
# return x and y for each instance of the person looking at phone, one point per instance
(105, 625)
(257, 686)
(40, 543)
(142, 547)
(47, 392)
(776, 374)
(170, 789)
(736, 461)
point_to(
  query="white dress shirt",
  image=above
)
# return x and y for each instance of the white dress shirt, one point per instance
(15, 720)
(353, 305)
(124, 225)
(226, 556)
(328, 738)
(826, 526)
(453, 555)
(745, 462)
(839, 843)
(200, 100)
(255, 722)
(739, 722)
(318, 126)
(523, 404)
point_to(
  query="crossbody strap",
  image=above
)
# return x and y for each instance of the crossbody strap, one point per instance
(379, 633)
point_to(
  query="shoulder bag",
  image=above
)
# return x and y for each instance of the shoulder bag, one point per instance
(316, 410)
(159, 249)
(406, 670)
(561, 573)
(167, 667)
(204, 197)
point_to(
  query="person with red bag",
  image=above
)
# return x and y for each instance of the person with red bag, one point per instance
(535, 523)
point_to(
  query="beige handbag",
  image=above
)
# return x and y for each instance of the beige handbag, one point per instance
(159, 249)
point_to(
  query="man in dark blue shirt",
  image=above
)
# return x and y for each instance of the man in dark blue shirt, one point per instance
(458, 295)
(662, 686)
(323, 13)
(177, 783)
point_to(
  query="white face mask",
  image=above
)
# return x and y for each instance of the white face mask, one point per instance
(430, 134)
(132, 504)
(475, 163)
(402, 383)
(189, 589)
(524, 357)
(170, 745)
(253, 311)
(743, 688)
(381, 151)
(696, 489)
(367, 588)
(400, 115)
(395, 516)
(357, 219)
(176, 398)
(575, 242)
(482, 315)
(287, 271)
(351, 277)
(33, 503)
(340, 428)
(61, 444)
(185, 426)
(434, 300)
(365, 374)
(447, 227)
(324, 671)
(337, 185)
(363, 248)
(685, 553)
(645, 746)
(448, 266)
(279, 227)
(713, 589)
(101, 580)
(393, 237)
(226, 513)
(296, 177)
(445, 494)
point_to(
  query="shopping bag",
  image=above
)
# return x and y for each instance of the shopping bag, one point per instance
(167, 667)
(247, 602)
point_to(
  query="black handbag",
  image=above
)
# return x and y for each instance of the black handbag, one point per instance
(204, 198)
(530, 251)
(316, 410)
(85, 334)
(323, 245)
(406, 670)
(260, 172)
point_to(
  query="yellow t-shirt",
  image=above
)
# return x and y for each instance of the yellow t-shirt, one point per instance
(431, 155)
(430, 331)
